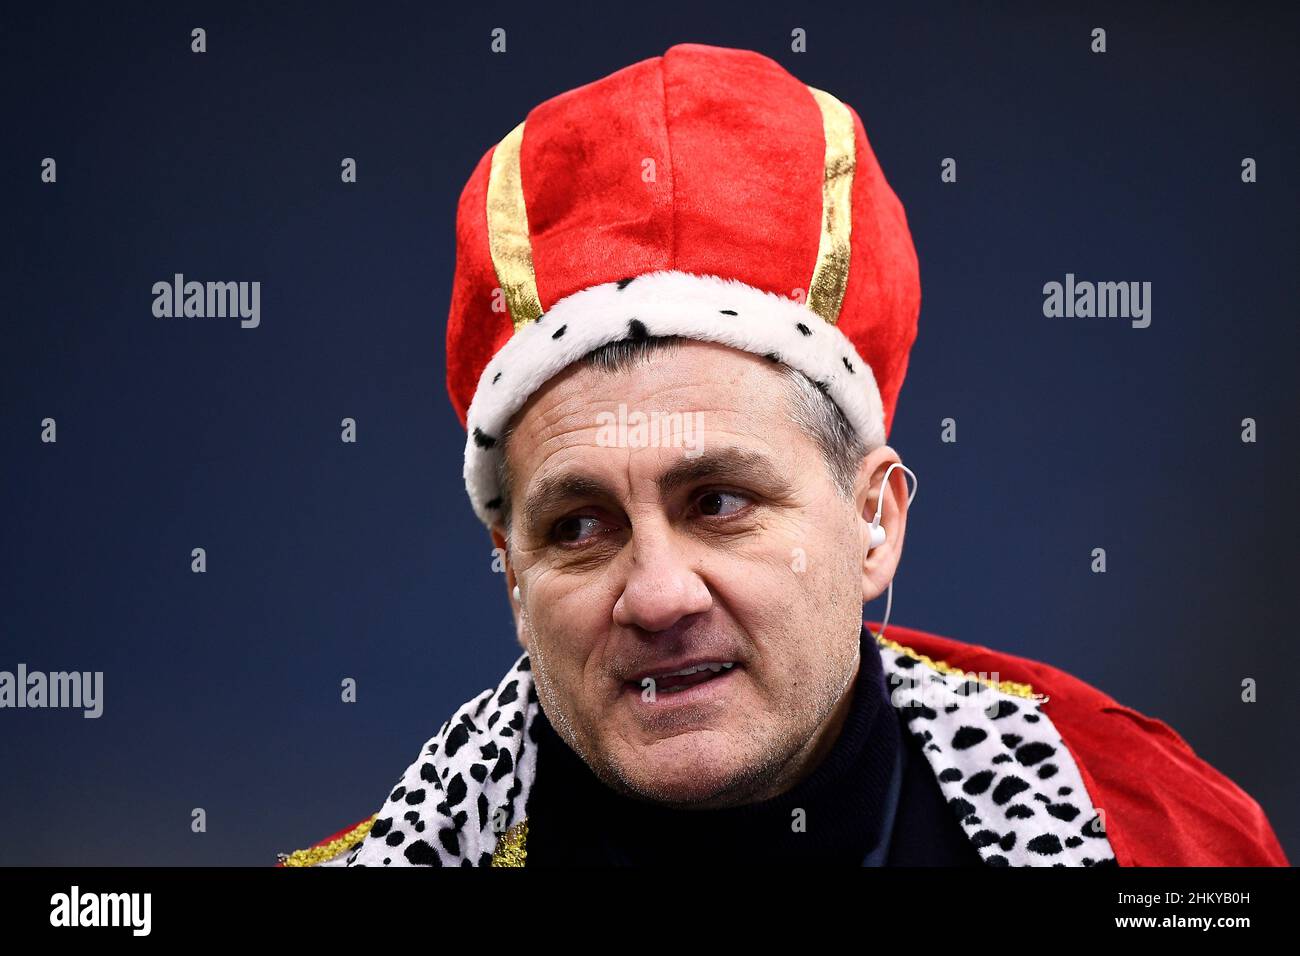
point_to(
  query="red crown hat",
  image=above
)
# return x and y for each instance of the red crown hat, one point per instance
(705, 193)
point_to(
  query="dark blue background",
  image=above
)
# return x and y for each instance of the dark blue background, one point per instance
(328, 560)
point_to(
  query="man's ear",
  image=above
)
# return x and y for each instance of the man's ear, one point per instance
(499, 543)
(880, 564)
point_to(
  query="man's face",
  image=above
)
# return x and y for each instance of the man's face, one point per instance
(728, 546)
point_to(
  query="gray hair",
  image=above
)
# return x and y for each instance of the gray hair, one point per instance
(811, 408)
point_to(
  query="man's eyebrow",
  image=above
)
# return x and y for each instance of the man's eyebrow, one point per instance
(727, 462)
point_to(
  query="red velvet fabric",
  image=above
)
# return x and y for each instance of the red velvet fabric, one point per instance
(1164, 805)
(738, 151)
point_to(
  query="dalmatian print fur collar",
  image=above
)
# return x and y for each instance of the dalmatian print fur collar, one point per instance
(998, 759)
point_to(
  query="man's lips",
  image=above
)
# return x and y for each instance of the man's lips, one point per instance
(679, 676)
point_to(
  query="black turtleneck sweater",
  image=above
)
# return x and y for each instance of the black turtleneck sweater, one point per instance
(874, 773)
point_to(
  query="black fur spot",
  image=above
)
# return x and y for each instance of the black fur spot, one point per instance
(1007, 788)
(967, 737)
(483, 440)
(803, 329)
(1063, 811)
(726, 312)
(1032, 753)
(420, 853)
(1045, 844)
(509, 694)
(456, 790)
(962, 808)
(503, 767)
(1093, 828)
(979, 782)
(1004, 709)
(636, 330)
(558, 332)
(623, 283)
(457, 739)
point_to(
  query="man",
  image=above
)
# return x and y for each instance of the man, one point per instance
(683, 305)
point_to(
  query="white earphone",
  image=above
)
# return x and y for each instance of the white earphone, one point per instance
(516, 592)
(878, 533)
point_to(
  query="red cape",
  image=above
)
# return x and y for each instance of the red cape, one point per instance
(1164, 806)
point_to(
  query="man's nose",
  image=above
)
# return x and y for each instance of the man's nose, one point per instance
(662, 586)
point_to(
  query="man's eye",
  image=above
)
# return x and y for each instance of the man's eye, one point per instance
(715, 503)
(570, 529)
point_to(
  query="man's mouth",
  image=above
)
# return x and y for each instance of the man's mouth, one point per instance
(676, 681)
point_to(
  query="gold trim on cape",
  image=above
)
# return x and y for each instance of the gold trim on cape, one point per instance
(512, 849)
(318, 854)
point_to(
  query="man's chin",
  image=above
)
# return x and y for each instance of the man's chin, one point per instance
(689, 769)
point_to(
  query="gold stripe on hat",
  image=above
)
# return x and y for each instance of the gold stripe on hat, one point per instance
(831, 275)
(507, 222)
